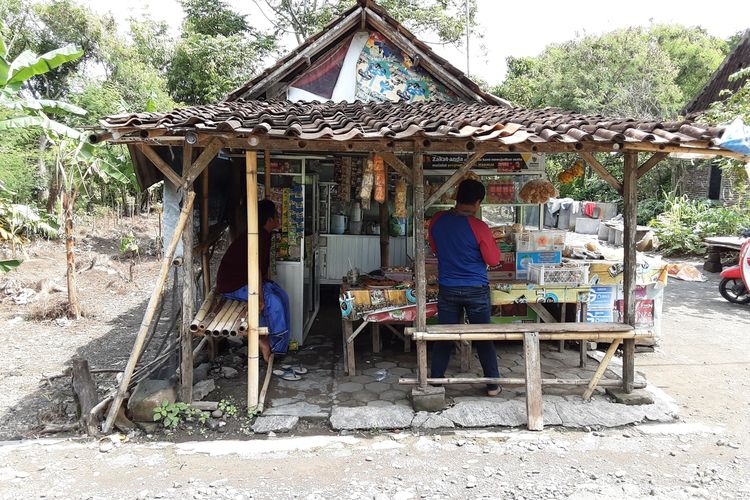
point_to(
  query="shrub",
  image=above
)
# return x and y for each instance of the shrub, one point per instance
(685, 222)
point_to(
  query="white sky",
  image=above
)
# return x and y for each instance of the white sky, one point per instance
(512, 27)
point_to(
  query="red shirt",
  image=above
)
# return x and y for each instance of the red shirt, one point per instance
(232, 273)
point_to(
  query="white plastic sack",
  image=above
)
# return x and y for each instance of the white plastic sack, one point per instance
(736, 137)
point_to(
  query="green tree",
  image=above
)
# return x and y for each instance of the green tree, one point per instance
(217, 52)
(303, 18)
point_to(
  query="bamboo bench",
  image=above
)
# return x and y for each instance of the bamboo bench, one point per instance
(530, 334)
(220, 317)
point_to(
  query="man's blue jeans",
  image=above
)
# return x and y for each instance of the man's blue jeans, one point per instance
(452, 302)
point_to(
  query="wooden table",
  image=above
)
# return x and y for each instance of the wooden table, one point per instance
(377, 307)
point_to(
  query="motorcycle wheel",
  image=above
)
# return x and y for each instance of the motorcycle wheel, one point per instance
(734, 291)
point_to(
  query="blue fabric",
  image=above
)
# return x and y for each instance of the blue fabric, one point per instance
(452, 303)
(461, 262)
(275, 314)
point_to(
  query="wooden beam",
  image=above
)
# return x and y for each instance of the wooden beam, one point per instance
(397, 165)
(603, 172)
(542, 312)
(160, 164)
(453, 180)
(148, 316)
(347, 23)
(419, 260)
(651, 163)
(267, 173)
(663, 148)
(599, 373)
(630, 179)
(532, 362)
(206, 156)
(253, 279)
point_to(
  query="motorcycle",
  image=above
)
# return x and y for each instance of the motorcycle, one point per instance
(735, 280)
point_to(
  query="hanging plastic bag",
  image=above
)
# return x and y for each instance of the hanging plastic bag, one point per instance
(736, 137)
(400, 201)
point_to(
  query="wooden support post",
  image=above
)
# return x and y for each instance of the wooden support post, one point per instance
(584, 345)
(419, 258)
(161, 165)
(629, 214)
(563, 314)
(267, 173)
(188, 306)
(148, 316)
(376, 343)
(253, 278)
(205, 260)
(346, 331)
(385, 234)
(191, 171)
(464, 348)
(266, 382)
(601, 369)
(533, 365)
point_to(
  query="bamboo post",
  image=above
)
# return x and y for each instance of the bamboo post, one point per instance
(419, 257)
(630, 180)
(253, 277)
(188, 306)
(166, 263)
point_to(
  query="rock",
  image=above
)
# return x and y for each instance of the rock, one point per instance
(427, 420)
(598, 414)
(489, 413)
(272, 424)
(149, 394)
(229, 372)
(217, 413)
(203, 389)
(106, 446)
(200, 372)
(471, 482)
(636, 397)
(371, 417)
(428, 398)
(297, 409)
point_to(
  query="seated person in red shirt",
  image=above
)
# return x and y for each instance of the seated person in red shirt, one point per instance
(464, 247)
(231, 278)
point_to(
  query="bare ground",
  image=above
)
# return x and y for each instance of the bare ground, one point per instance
(702, 362)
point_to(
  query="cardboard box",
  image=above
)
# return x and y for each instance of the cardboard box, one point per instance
(506, 270)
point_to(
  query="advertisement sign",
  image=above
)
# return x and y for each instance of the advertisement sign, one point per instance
(500, 162)
(523, 259)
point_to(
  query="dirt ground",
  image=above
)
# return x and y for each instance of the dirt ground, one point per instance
(702, 362)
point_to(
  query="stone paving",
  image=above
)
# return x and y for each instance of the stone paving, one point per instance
(373, 399)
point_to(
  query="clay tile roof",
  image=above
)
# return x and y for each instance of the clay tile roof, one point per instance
(401, 120)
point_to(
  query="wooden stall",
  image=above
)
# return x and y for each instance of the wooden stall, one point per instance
(443, 112)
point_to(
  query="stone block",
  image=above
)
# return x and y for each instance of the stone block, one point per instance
(637, 397)
(149, 394)
(428, 399)
(371, 417)
(427, 420)
(264, 425)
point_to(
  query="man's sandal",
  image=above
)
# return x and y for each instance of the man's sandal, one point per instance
(287, 375)
(494, 392)
(298, 369)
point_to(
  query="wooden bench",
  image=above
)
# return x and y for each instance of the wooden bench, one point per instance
(530, 334)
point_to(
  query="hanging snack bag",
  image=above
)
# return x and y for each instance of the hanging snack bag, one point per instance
(365, 191)
(380, 179)
(400, 199)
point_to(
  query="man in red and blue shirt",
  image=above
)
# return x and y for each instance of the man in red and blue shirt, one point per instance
(464, 246)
